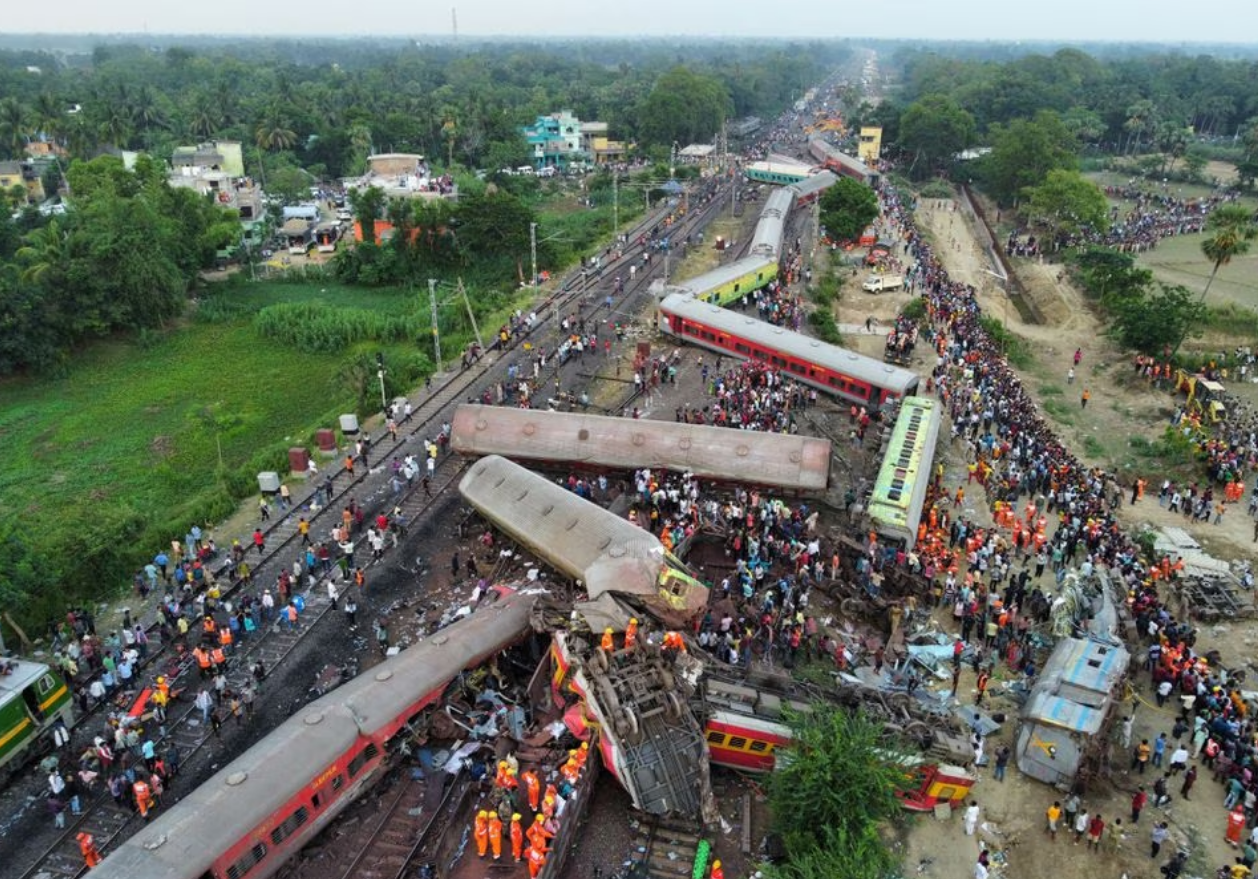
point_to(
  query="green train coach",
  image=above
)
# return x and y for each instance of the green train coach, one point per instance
(32, 698)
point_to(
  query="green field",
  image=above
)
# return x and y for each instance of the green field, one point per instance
(121, 454)
(1180, 261)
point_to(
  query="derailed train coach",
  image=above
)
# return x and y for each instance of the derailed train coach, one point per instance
(253, 815)
(785, 462)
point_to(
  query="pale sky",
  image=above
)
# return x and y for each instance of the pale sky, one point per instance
(1002, 20)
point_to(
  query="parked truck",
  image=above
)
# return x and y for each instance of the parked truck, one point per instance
(878, 283)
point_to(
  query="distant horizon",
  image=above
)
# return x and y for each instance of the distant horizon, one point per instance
(1154, 22)
(7, 39)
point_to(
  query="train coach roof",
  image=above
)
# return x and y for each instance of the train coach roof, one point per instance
(779, 202)
(22, 673)
(795, 462)
(765, 334)
(250, 790)
(579, 538)
(817, 182)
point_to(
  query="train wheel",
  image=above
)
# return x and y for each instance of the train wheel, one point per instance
(630, 721)
(666, 679)
(608, 699)
(673, 708)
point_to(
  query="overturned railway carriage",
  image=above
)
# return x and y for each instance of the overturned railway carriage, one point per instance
(723, 454)
(841, 163)
(810, 189)
(838, 371)
(581, 539)
(249, 818)
(730, 283)
(895, 507)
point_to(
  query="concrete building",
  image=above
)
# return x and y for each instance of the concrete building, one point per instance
(24, 174)
(869, 148)
(561, 140)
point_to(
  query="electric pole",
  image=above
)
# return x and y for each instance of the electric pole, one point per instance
(436, 332)
(533, 254)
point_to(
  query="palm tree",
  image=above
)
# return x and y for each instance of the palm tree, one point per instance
(42, 251)
(206, 117)
(13, 126)
(1231, 228)
(273, 133)
(147, 113)
(49, 116)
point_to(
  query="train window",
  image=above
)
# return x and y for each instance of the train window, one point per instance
(759, 747)
(777, 361)
(798, 368)
(737, 742)
(45, 685)
(367, 753)
(759, 355)
(247, 862)
(338, 782)
(290, 825)
(741, 348)
(716, 737)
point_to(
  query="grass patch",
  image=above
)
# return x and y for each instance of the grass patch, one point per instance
(1232, 319)
(822, 321)
(122, 452)
(1060, 411)
(1013, 346)
(1051, 391)
(1093, 447)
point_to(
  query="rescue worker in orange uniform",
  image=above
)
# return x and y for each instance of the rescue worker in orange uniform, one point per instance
(583, 754)
(631, 634)
(533, 786)
(549, 801)
(504, 779)
(143, 797)
(517, 838)
(609, 640)
(480, 830)
(537, 860)
(495, 835)
(538, 834)
(571, 769)
(717, 871)
(87, 845)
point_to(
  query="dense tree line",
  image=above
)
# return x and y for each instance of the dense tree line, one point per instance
(1042, 112)
(122, 259)
(326, 109)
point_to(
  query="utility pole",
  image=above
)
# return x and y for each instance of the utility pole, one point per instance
(436, 332)
(380, 370)
(533, 253)
(467, 302)
(616, 203)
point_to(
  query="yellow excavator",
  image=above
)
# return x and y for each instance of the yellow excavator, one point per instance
(1205, 397)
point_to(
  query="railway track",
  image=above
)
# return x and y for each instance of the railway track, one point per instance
(667, 849)
(107, 822)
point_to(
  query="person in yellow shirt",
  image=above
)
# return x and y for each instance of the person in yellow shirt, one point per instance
(1054, 819)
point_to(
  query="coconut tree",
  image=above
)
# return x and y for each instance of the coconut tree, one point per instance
(13, 126)
(42, 252)
(1230, 229)
(273, 134)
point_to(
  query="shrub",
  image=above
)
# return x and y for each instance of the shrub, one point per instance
(314, 328)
